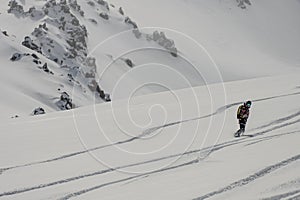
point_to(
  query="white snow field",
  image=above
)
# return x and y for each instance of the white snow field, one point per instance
(148, 147)
(261, 40)
(168, 132)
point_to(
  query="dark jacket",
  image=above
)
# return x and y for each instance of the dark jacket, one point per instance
(243, 112)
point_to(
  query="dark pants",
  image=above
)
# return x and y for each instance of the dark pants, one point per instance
(242, 123)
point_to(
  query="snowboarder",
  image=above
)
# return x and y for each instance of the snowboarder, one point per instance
(242, 116)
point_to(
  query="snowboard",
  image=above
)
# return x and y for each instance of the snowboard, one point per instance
(238, 133)
(241, 133)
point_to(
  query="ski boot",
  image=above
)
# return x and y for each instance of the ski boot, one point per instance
(239, 132)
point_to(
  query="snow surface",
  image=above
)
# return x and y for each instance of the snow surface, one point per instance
(149, 152)
(168, 132)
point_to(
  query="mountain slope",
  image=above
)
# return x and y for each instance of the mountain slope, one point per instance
(106, 152)
(64, 35)
(260, 40)
(99, 50)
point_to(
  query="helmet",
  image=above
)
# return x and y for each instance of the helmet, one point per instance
(248, 104)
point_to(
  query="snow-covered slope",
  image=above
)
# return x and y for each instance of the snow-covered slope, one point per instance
(176, 71)
(100, 50)
(67, 40)
(262, 39)
(147, 148)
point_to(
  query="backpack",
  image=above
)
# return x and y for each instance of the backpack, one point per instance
(242, 112)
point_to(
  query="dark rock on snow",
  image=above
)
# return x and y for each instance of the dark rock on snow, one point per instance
(38, 111)
(16, 57)
(65, 102)
(104, 16)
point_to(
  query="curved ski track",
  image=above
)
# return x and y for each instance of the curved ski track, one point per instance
(151, 130)
(251, 178)
(207, 149)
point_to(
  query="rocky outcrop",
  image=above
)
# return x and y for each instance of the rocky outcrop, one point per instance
(5, 33)
(158, 37)
(93, 21)
(243, 3)
(16, 57)
(65, 102)
(35, 59)
(28, 42)
(130, 22)
(104, 4)
(91, 71)
(38, 111)
(46, 69)
(121, 11)
(162, 40)
(18, 11)
(61, 37)
(104, 16)
(71, 57)
(94, 86)
(74, 5)
(34, 13)
(129, 62)
(15, 8)
(91, 3)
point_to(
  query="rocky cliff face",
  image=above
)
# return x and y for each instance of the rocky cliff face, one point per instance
(61, 36)
(56, 40)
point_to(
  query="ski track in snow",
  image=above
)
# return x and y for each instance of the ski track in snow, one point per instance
(276, 127)
(277, 121)
(251, 178)
(81, 192)
(147, 132)
(255, 140)
(240, 183)
(151, 130)
(287, 185)
(268, 138)
(281, 196)
(220, 110)
(73, 154)
(233, 142)
(207, 149)
(295, 198)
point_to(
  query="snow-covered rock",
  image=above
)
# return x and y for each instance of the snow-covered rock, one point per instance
(31, 45)
(243, 3)
(163, 41)
(38, 111)
(121, 11)
(16, 57)
(65, 102)
(104, 16)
